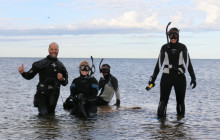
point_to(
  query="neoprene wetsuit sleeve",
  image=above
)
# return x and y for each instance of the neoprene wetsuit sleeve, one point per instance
(101, 83)
(31, 73)
(188, 63)
(94, 90)
(114, 83)
(159, 62)
(64, 82)
(73, 91)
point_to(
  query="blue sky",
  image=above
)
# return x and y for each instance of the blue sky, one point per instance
(107, 28)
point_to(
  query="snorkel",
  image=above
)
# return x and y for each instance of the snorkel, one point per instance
(167, 34)
(100, 69)
(92, 68)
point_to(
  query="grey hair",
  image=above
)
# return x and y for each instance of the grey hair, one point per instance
(84, 62)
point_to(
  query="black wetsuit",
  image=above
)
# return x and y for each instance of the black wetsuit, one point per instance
(173, 75)
(83, 87)
(108, 85)
(48, 88)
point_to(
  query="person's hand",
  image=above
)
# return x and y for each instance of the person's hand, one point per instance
(152, 80)
(21, 69)
(193, 83)
(59, 76)
(117, 102)
(151, 83)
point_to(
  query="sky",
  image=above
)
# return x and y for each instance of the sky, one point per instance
(107, 28)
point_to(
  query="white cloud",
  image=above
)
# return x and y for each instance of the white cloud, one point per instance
(119, 16)
(128, 22)
(131, 19)
(178, 17)
(211, 8)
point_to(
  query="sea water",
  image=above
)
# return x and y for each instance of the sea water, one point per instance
(20, 120)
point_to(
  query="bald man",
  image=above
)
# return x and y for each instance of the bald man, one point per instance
(52, 74)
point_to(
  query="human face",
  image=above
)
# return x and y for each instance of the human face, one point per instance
(53, 50)
(105, 70)
(84, 69)
(84, 73)
(173, 37)
(173, 40)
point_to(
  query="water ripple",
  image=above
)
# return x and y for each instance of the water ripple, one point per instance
(19, 119)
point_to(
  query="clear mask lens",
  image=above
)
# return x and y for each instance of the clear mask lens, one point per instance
(84, 68)
(173, 35)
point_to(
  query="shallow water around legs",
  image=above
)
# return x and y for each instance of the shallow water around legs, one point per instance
(20, 120)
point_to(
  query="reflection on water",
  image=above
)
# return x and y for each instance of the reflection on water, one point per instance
(46, 127)
(19, 119)
(173, 130)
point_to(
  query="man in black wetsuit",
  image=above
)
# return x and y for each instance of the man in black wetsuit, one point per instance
(108, 85)
(52, 74)
(83, 92)
(174, 53)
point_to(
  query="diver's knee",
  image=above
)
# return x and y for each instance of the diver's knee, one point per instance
(69, 103)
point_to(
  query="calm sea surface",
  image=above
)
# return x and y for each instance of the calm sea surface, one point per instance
(20, 120)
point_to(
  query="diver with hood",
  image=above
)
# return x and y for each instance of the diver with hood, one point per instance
(83, 92)
(52, 74)
(173, 53)
(108, 85)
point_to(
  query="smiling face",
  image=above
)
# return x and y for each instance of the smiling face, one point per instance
(84, 73)
(53, 50)
(173, 40)
(174, 35)
(84, 67)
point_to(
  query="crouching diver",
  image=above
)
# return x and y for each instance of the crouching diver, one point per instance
(52, 74)
(108, 85)
(174, 53)
(83, 92)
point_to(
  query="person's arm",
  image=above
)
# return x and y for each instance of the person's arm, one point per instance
(101, 83)
(64, 78)
(73, 91)
(114, 82)
(94, 90)
(31, 73)
(62, 75)
(158, 66)
(189, 67)
(70, 101)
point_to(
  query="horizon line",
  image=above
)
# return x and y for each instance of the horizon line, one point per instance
(101, 57)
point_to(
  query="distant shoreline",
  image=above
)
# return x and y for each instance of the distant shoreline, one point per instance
(99, 58)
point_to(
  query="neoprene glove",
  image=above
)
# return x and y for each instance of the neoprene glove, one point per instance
(117, 102)
(193, 83)
(152, 80)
